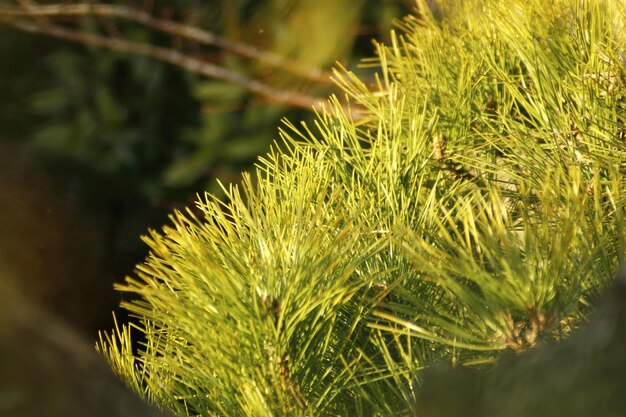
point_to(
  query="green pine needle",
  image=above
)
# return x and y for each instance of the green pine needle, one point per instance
(472, 202)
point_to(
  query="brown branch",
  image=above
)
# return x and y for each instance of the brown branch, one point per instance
(172, 28)
(170, 56)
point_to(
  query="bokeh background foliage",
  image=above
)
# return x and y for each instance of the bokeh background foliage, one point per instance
(128, 116)
(471, 204)
(116, 140)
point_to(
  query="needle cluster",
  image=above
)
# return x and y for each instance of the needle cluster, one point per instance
(476, 205)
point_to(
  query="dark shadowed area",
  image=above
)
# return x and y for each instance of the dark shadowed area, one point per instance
(583, 376)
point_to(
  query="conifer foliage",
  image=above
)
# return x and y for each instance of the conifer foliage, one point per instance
(472, 203)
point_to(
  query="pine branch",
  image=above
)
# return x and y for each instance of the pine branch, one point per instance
(449, 226)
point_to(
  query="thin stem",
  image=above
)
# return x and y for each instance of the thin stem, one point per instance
(171, 56)
(172, 28)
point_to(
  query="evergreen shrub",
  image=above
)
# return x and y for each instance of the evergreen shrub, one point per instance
(469, 203)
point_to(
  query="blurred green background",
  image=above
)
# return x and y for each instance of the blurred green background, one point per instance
(97, 146)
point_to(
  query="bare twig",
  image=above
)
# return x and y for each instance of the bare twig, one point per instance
(171, 28)
(171, 56)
